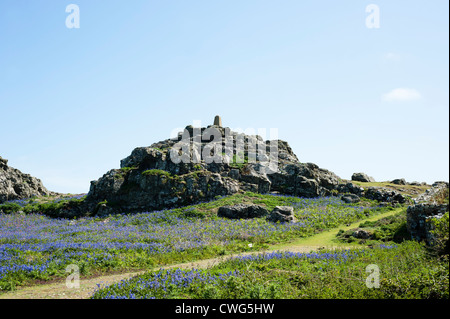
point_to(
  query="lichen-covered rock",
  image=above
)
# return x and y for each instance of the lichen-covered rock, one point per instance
(16, 185)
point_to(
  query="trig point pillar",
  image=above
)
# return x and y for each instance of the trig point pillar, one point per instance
(218, 121)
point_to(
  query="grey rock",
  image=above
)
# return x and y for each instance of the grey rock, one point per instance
(399, 181)
(350, 198)
(350, 188)
(418, 220)
(361, 234)
(383, 194)
(174, 184)
(430, 194)
(282, 214)
(362, 177)
(242, 211)
(16, 185)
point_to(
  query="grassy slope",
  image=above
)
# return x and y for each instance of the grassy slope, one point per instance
(327, 238)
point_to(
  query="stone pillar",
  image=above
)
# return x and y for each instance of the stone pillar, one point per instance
(218, 121)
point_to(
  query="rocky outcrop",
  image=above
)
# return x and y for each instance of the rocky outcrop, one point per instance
(197, 166)
(418, 220)
(383, 194)
(362, 177)
(432, 194)
(16, 185)
(428, 206)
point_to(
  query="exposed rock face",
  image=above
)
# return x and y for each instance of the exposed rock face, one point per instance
(178, 172)
(418, 220)
(282, 214)
(361, 177)
(16, 185)
(242, 211)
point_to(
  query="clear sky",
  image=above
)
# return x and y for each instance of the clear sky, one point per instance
(74, 102)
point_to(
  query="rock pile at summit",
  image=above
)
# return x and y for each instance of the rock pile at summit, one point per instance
(16, 185)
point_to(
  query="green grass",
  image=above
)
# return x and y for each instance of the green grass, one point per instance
(156, 172)
(391, 228)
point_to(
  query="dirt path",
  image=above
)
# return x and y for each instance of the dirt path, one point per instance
(87, 286)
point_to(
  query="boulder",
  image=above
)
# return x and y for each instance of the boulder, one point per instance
(350, 198)
(242, 211)
(399, 181)
(361, 177)
(361, 234)
(282, 214)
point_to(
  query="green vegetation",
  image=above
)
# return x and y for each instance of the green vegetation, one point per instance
(156, 172)
(47, 205)
(389, 229)
(441, 234)
(405, 271)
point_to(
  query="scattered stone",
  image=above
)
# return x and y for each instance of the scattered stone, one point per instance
(242, 211)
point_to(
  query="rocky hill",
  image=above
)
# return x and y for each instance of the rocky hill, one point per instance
(151, 178)
(203, 163)
(16, 185)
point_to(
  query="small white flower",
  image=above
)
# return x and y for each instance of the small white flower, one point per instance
(250, 245)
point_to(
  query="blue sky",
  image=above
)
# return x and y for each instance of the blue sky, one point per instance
(74, 102)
